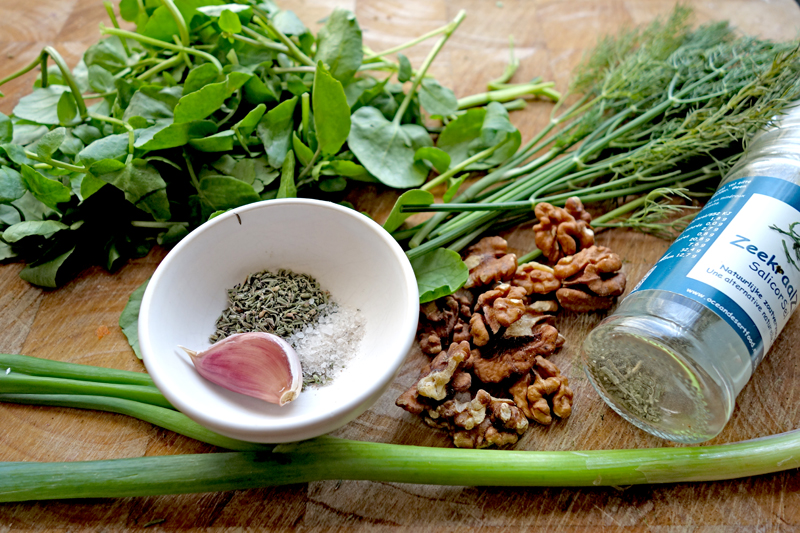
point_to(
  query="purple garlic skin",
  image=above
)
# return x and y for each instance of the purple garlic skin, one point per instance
(261, 365)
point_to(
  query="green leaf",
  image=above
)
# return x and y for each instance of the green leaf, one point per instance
(222, 192)
(41, 106)
(436, 99)
(248, 124)
(109, 54)
(67, 109)
(275, 131)
(258, 92)
(11, 185)
(6, 129)
(49, 192)
(229, 22)
(111, 147)
(304, 153)
(336, 184)
(129, 318)
(153, 102)
(387, 149)
(199, 77)
(90, 185)
(43, 228)
(438, 158)
(453, 184)
(44, 274)
(288, 23)
(349, 169)
(331, 112)
(71, 145)
(439, 273)
(162, 25)
(219, 142)
(340, 44)
(203, 102)
(143, 186)
(404, 72)
(396, 216)
(6, 251)
(287, 188)
(101, 80)
(173, 235)
(16, 153)
(476, 130)
(87, 134)
(167, 135)
(49, 143)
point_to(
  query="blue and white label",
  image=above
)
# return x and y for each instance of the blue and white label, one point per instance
(738, 258)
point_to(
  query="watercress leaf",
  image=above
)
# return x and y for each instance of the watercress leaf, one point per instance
(26, 132)
(439, 273)
(168, 135)
(162, 25)
(437, 157)
(203, 102)
(6, 251)
(219, 142)
(387, 149)
(348, 169)
(340, 44)
(49, 143)
(215, 214)
(404, 72)
(129, 10)
(223, 192)
(11, 185)
(101, 80)
(199, 77)
(248, 124)
(495, 124)
(457, 136)
(436, 99)
(336, 184)
(396, 216)
(67, 109)
(49, 192)
(275, 130)
(287, 188)
(45, 273)
(304, 153)
(6, 129)
(288, 23)
(295, 85)
(109, 54)
(89, 185)
(258, 92)
(141, 184)
(42, 228)
(31, 208)
(354, 88)
(41, 106)
(16, 153)
(111, 147)
(229, 22)
(153, 102)
(71, 145)
(129, 318)
(331, 112)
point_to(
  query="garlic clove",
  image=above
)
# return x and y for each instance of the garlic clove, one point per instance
(257, 364)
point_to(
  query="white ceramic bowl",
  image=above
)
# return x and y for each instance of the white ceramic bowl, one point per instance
(350, 255)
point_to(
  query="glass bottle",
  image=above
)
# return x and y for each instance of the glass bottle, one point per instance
(678, 350)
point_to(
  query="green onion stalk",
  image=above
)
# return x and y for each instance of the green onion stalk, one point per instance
(663, 109)
(326, 458)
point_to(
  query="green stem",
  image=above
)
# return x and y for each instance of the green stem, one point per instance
(426, 65)
(158, 416)
(510, 93)
(263, 20)
(192, 175)
(310, 164)
(183, 31)
(409, 44)
(110, 10)
(156, 225)
(328, 458)
(173, 61)
(530, 256)
(36, 366)
(120, 123)
(305, 117)
(13, 383)
(161, 44)
(260, 43)
(55, 163)
(265, 42)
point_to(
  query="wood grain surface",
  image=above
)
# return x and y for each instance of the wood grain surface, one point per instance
(67, 324)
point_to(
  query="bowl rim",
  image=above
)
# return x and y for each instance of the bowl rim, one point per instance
(308, 426)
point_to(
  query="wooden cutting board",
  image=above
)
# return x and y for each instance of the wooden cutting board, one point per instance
(78, 323)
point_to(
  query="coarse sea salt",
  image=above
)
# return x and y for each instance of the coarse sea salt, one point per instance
(326, 346)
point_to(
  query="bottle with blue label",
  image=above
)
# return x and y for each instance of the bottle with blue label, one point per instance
(679, 349)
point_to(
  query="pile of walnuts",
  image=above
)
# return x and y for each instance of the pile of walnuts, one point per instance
(490, 340)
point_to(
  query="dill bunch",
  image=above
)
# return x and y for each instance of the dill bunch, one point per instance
(664, 108)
